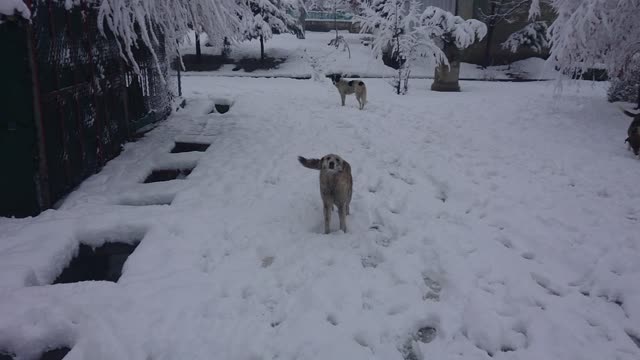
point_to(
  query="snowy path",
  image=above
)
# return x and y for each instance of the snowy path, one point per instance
(499, 222)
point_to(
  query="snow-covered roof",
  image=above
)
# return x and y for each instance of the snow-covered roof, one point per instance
(14, 7)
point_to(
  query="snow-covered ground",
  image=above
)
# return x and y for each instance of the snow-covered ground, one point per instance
(499, 222)
(312, 55)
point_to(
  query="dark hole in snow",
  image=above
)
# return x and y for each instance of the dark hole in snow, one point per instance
(222, 108)
(426, 334)
(181, 147)
(167, 174)
(55, 354)
(507, 349)
(102, 263)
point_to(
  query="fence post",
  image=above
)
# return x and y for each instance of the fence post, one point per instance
(42, 180)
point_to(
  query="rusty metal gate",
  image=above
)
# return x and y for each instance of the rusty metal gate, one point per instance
(76, 102)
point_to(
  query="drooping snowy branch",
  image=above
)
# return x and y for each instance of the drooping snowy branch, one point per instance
(533, 36)
(590, 33)
(452, 29)
(499, 11)
(264, 18)
(147, 22)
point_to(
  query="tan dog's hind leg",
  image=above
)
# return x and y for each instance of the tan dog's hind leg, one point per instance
(327, 217)
(342, 212)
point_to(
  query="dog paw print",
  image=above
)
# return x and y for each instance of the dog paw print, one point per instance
(371, 260)
(433, 288)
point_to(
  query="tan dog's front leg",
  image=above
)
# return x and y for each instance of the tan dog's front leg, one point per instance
(342, 96)
(342, 212)
(327, 217)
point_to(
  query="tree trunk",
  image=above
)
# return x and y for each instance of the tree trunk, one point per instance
(261, 48)
(638, 107)
(335, 18)
(487, 61)
(446, 78)
(198, 49)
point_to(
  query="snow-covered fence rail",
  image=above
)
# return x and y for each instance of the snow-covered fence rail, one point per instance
(72, 104)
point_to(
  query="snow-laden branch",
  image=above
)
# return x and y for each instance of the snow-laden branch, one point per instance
(452, 29)
(147, 23)
(533, 36)
(592, 33)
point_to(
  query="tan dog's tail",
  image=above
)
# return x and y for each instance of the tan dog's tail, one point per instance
(310, 163)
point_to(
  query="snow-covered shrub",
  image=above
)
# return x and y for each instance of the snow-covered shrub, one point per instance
(626, 87)
(533, 36)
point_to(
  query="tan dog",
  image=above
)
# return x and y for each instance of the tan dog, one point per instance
(336, 186)
(633, 133)
(350, 87)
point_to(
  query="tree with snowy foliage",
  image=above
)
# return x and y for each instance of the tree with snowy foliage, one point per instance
(264, 18)
(533, 36)
(594, 33)
(498, 12)
(131, 21)
(396, 30)
(453, 34)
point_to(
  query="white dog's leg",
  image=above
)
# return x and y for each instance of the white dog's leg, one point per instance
(342, 212)
(327, 217)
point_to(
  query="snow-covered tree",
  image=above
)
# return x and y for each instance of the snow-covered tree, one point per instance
(396, 30)
(335, 6)
(452, 34)
(264, 18)
(498, 12)
(148, 22)
(592, 33)
(533, 36)
(402, 27)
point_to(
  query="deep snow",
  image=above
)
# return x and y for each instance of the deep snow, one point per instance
(505, 217)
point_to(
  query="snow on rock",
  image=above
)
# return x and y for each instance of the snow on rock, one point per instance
(501, 221)
(14, 7)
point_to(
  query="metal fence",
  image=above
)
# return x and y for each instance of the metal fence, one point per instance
(79, 102)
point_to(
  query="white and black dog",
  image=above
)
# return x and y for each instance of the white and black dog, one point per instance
(348, 87)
